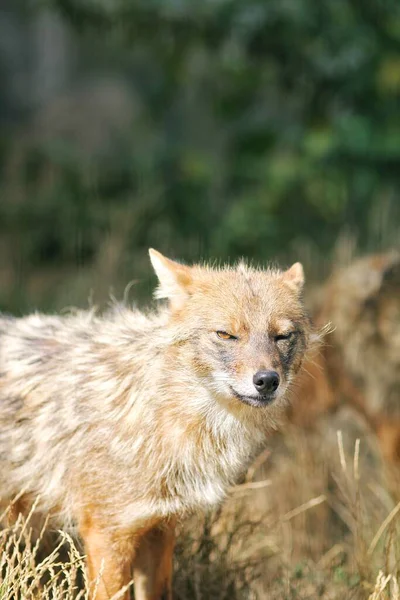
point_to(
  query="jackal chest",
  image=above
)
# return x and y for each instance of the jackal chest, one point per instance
(193, 478)
(204, 478)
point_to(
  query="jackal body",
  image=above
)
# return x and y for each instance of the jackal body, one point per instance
(120, 423)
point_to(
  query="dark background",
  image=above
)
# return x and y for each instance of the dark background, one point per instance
(207, 129)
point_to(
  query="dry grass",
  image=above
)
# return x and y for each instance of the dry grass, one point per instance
(317, 517)
(322, 525)
(28, 571)
(38, 564)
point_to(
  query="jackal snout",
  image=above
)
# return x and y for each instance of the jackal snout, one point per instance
(266, 382)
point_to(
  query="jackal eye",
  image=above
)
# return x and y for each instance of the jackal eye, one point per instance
(283, 337)
(223, 335)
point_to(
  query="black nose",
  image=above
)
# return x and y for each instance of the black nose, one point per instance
(266, 382)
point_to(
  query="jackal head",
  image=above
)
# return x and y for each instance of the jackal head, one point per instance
(241, 331)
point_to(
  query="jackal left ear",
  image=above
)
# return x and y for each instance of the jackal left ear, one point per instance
(174, 279)
(295, 276)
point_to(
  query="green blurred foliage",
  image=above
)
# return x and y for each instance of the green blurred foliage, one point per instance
(261, 128)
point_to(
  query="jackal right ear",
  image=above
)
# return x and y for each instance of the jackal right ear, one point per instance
(174, 279)
(295, 276)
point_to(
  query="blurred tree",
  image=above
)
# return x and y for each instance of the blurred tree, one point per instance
(251, 128)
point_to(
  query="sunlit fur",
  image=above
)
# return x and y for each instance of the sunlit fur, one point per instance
(128, 418)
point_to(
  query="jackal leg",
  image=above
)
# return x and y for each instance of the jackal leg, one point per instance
(153, 563)
(109, 561)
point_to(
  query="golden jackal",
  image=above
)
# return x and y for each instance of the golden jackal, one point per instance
(360, 361)
(121, 423)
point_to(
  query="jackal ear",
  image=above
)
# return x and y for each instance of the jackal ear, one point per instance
(295, 276)
(174, 279)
